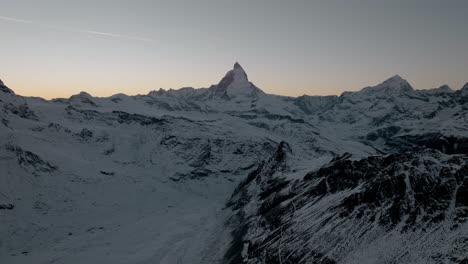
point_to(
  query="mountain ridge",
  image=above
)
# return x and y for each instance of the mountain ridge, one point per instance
(238, 70)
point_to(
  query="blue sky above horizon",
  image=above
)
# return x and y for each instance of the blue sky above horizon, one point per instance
(56, 48)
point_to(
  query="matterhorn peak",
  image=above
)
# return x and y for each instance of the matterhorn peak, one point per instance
(237, 75)
(235, 84)
(239, 71)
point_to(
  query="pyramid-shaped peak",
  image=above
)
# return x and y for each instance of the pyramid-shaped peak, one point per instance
(238, 72)
(236, 75)
(235, 84)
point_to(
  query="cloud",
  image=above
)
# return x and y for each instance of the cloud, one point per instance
(92, 32)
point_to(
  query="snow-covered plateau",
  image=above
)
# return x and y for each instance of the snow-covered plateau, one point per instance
(231, 174)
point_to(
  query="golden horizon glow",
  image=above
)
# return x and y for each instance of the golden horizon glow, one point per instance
(57, 88)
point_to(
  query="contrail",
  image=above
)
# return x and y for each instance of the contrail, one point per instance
(15, 19)
(115, 35)
(92, 32)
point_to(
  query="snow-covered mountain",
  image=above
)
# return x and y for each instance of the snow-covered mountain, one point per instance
(400, 208)
(231, 174)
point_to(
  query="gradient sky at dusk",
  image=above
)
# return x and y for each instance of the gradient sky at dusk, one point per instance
(56, 48)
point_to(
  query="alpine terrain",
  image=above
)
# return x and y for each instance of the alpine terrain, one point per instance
(231, 174)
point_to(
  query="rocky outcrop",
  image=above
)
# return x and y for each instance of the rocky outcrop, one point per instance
(259, 184)
(21, 110)
(83, 98)
(31, 161)
(335, 212)
(5, 89)
(6, 206)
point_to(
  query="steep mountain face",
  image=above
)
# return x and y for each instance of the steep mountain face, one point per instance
(235, 85)
(232, 93)
(380, 209)
(373, 176)
(464, 89)
(5, 89)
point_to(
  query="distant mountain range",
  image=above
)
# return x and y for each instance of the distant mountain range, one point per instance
(231, 174)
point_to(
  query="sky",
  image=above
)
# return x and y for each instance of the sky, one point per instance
(57, 48)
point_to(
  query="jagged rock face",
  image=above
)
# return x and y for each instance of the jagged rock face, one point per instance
(400, 184)
(259, 183)
(235, 85)
(237, 74)
(5, 89)
(31, 161)
(21, 110)
(335, 213)
(465, 88)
